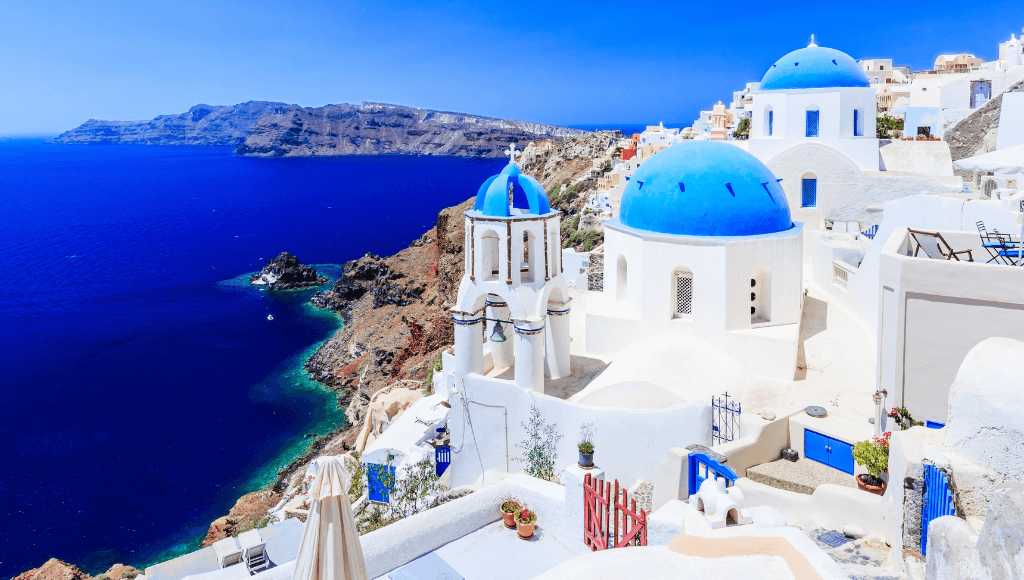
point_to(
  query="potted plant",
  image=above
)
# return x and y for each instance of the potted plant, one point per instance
(525, 520)
(586, 446)
(509, 507)
(874, 456)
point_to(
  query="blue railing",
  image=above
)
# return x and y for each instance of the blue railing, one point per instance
(725, 419)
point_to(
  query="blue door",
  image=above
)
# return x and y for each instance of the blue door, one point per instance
(829, 451)
(840, 455)
(816, 447)
(938, 500)
(377, 481)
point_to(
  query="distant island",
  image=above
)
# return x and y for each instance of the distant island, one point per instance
(264, 129)
(223, 126)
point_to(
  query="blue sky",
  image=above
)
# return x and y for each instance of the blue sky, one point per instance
(64, 62)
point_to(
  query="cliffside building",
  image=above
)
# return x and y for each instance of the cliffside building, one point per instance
(813, 125)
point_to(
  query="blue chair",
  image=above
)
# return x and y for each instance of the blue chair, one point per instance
(870, 232)
(996, 244)
(443, 458)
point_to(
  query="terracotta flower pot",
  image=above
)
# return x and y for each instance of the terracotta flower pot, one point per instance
(525, 531)
(875, 489)
(508, 518)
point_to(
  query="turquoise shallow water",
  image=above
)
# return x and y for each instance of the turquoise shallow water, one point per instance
(142, 388)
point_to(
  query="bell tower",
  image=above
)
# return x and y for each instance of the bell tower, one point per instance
(513, 304)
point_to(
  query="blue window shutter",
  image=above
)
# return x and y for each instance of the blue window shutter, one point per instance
(771, 119)
(856, 123)
(810, 193)
(812, 123)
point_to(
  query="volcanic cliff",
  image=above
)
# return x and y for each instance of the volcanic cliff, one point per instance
(373, 128)
(201, 125)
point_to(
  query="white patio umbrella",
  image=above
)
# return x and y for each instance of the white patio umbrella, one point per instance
(1009, 160)
(330, 548)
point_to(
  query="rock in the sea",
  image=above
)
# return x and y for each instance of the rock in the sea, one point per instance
(286, 273)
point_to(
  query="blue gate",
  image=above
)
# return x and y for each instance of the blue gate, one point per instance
(938, 500)
(702, 467)
(379, 480)
(442, 459)
(725, 419)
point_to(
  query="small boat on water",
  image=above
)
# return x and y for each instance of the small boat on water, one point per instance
(270, 317)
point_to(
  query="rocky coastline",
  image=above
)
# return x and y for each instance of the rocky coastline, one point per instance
(286, 273)
(396, 309)
(397, 323)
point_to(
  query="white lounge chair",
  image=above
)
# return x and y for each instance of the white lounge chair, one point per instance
(227, 551)
(254, 550)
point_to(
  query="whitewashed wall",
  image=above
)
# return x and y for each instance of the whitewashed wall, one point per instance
(844, 191)
(722, 268)
(835, 123)
(629, 442)
(937, 312)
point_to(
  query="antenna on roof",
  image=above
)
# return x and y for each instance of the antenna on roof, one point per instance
(811, 45)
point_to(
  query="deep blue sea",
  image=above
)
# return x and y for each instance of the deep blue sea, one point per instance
(142, 387)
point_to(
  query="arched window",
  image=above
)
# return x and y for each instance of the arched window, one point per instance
(857, 132)
(682, 293)
(621, 279)
(809, 191)
(769, 122)
(813, 115)
(527, 268)
(491, 264)
(760, 297)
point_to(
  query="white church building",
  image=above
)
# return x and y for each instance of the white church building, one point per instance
(813, 125)
(704, 246)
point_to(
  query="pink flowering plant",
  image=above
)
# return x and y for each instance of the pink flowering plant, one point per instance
(874, 456)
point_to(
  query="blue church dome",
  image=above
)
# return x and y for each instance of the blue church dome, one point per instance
(705, 188)
(528, 194)
(814, 67)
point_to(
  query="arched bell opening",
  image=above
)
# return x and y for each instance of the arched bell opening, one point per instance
(490, 267)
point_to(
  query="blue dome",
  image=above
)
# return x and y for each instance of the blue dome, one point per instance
(528, 194)
(814, 67)
(705, 188)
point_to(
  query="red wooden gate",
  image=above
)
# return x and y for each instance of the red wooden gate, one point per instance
(602, 515)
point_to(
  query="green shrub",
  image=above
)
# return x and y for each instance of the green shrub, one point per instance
(356, 472)
(540, 448)
(887, 127)
(742, 130)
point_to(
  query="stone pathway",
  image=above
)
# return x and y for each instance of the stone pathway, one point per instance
(863, 559)
(801, 476)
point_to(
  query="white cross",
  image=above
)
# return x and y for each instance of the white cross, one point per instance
(511, 152)
(812, 42)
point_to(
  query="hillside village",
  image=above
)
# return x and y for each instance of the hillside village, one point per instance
(785, 341)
